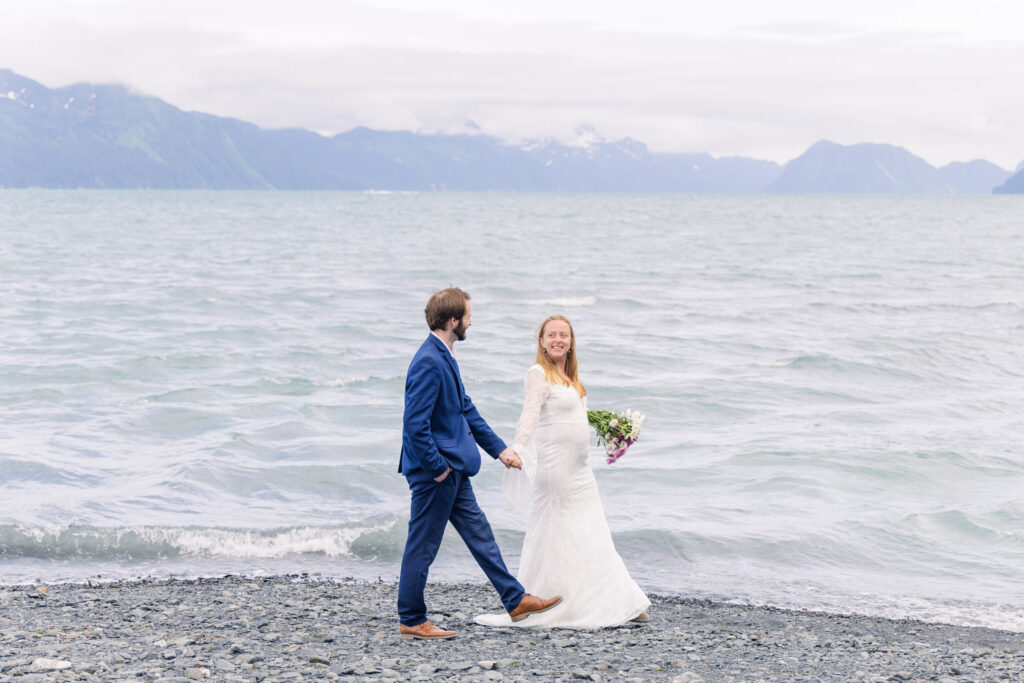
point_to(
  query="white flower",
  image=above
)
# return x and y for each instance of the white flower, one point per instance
(636, 420)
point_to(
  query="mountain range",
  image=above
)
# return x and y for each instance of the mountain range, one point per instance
(827, 167)
(107, 136)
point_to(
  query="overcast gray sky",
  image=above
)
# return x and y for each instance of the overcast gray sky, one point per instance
(943, 78)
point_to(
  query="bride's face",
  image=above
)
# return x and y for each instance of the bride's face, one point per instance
(556, 340)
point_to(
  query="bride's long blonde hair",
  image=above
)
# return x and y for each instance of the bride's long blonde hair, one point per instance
(571, 364)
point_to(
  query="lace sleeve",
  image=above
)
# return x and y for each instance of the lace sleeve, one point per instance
(537, 390)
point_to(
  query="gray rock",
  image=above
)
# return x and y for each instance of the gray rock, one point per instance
(365, 668)
(344, 669)
(12, 664)
(44, 664)
(223, 665)
(197, 673)
(688, 677)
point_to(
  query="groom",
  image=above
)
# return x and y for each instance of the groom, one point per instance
(440, 432)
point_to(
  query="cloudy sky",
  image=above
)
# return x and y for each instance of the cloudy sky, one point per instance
(943, 78)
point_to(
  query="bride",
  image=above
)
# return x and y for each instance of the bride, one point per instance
(568, 547)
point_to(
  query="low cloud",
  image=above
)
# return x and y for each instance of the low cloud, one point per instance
(763, 91)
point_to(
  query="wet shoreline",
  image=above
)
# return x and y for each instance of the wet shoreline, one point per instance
(284, 628)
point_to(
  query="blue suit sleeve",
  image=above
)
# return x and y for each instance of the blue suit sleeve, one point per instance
(482, 432)
(421, 391)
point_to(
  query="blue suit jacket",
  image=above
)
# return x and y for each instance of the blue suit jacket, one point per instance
(441, 426)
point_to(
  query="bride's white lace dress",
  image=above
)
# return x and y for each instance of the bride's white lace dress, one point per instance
(568, 547)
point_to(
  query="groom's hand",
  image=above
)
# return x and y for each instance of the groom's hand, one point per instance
(442, 477)
(509, 459)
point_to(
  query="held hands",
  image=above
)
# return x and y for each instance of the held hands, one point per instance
(509, 458)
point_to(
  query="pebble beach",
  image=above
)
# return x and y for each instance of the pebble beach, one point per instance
(288, 628)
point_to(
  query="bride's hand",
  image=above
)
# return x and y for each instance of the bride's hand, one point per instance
(509, 459)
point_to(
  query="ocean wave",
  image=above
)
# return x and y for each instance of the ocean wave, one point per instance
(833, 365)
(567, 302)
(361, 380)
(154, 542)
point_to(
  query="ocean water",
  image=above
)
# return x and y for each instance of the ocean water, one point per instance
(197, 383)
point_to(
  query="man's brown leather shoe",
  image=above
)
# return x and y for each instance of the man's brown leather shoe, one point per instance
(531, 604)
(424, 631)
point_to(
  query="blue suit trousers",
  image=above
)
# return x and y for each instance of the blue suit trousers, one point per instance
(433, 506)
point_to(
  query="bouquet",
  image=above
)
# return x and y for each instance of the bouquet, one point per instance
(617, 431)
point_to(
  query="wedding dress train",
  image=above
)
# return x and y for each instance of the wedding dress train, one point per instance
(568, 547)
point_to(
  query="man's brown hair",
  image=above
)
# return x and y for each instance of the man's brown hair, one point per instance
(445, 305)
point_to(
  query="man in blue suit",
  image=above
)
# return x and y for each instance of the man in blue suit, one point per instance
(440, 432)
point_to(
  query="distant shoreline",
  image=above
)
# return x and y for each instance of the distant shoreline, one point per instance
(247, 629)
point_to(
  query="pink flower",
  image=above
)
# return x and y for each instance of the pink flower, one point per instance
(617, 431)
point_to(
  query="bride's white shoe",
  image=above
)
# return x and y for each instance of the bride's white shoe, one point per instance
(643, 617)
